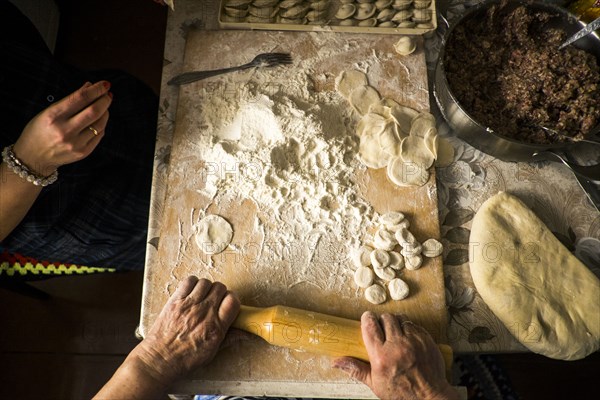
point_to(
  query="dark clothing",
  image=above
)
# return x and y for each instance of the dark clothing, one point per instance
(96, 214)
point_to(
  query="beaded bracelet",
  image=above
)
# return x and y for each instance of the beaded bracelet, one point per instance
(19, 168)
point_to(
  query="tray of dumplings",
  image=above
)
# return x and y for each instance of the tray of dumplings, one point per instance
(406, 17)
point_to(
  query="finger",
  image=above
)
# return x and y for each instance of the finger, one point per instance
(236, 337)
(202, 288)
(357, 369)
(216, 293)
(99, 126)
(184, 288)
(402, 319)
(371, 331)
(229, 308)
(89, 114)
(391, 326)
(81, 98)
(410, 327)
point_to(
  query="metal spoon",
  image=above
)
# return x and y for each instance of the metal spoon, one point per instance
(589, 28)
(591, 137)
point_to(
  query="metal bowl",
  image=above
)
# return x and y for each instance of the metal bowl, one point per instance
(482, 137)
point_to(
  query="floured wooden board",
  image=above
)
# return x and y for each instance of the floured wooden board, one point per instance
(304, 273)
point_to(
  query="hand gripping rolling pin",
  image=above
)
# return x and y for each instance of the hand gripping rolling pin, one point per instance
(311, 332)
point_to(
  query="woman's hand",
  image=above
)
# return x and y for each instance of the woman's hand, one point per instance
(405, 361)
(186, 335)
(189, 329)
(61, 134)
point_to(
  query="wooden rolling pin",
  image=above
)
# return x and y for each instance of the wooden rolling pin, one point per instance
(311, 332)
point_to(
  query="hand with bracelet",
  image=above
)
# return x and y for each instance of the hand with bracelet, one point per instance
(63, 133)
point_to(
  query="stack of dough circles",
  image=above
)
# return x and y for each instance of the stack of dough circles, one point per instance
(213, 234)
(392, 135)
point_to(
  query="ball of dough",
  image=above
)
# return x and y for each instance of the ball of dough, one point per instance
(361, 257)
(432, 248)
(384, 239)
(405, 237)
(375, 294)
(380, 258)
(533, 283)
(387, 273)
(411, 249)
(391, 218)
(363, 277)
(213, 234)
(395, 228)
(396, 260)
(398, 289)
(413, 262)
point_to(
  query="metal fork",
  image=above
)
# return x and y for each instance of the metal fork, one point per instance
(261, 60)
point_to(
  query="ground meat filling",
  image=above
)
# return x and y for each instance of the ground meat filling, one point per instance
(506, 71)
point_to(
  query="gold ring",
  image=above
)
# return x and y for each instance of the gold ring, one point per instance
(94, 131)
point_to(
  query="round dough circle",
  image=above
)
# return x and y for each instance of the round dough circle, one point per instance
(213, 234)
(375, 294)
(362, 97)
(371, 124)
(363, 277)
(398, 289)
(414, 150)
(370, 152)
(404, 116)
(347, 81)
(404, 173)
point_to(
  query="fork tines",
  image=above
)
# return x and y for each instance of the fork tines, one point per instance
(278, 58)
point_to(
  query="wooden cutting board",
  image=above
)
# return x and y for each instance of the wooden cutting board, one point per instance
(253, 367)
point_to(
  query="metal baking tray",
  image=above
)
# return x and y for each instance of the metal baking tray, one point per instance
(327, 24)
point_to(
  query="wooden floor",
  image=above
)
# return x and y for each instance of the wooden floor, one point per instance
(68, 346)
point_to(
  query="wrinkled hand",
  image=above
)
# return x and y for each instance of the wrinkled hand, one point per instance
(405, 361)
(189, 329)
(60, 135)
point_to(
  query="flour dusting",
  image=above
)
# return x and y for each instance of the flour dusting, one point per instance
(291, 151)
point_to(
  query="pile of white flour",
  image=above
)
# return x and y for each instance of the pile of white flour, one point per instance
(293, 152)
